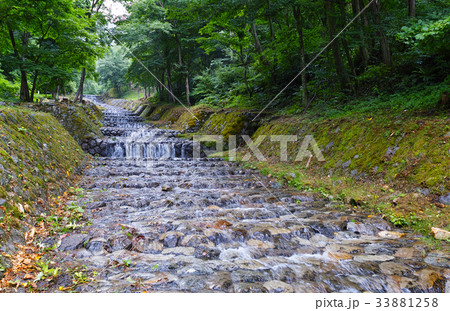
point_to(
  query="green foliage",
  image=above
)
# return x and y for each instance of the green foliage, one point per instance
(238, 53)
(8, 89)
(112, 69)
(45, 271)
(430, 34)
(42, 42)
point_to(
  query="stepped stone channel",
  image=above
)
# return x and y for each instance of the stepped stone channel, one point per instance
(163, 222)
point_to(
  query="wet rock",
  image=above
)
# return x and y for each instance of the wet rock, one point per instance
(399, 284)
(248, 264)
(301, 241)
(260, 244)
(338, 256)
(155, 246)
(249, 276)
(117, 243)
(195, 269)
(439, 259)
(373, 258)
(249, 288)
(196, 240)
(302, 198)
(440, 234)
(166, 188)
(432, 280)
(206, 253)
(188, 251)
(261, 232)
(379, 249)
(391, 234)
(95, 246)
(408, 253)
(275, 286)
(359, 228)
(171, 238)
(214, 207)
(217, 236)
(191, 284)
(355, 250)
(5, 264)
(319, 240)
(239, 235)
(72, 242)
(82, 253)
(221, 282)
(393, 268)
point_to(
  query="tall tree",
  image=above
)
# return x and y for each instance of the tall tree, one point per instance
(92, 7)
(38, 32)
(341, 71)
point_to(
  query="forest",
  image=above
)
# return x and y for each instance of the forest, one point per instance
(293, 55)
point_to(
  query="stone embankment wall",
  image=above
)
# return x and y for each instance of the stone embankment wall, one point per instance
(38, 159)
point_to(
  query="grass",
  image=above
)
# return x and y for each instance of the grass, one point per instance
(133, 95)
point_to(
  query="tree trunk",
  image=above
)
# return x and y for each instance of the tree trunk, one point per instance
(269, 18)
(33, 88)
(299, 26)
(160, 87)
(338, 61)
(257, 43)
(412, 8)
(95, 5)
(244, 64)
(363, 49)
(79, 94)
(24, 90)
(169, 84)
(343, 19)
(384, 43)
(180, 61)
(187, 84)
(348, 56)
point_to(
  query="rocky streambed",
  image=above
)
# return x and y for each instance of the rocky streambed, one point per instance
(163, 222)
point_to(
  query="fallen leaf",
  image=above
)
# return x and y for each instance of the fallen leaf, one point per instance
(28, 277)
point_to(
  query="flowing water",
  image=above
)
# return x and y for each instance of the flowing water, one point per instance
(164, 222)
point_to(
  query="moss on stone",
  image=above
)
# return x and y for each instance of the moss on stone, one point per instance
(38, 158)
(411, 151)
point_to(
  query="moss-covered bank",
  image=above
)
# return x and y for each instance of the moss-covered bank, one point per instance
(82, 121)
(38, 159)
(409, 151)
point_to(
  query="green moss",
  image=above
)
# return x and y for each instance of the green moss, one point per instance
(147, 111)
(82, 121)
(38, 157)
(193, 120)
(225, 123)
(421, 147)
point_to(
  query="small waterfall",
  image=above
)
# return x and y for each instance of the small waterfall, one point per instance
(130, 138)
